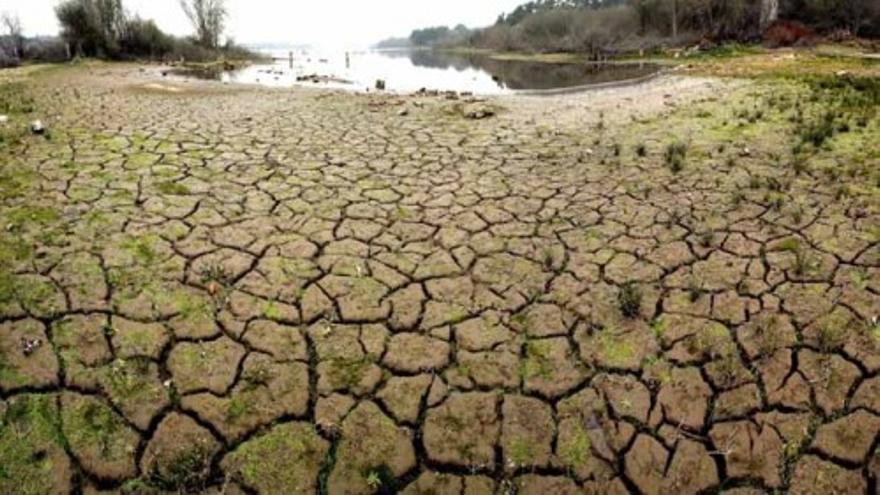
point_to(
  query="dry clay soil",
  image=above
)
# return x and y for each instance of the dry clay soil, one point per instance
(240, 290)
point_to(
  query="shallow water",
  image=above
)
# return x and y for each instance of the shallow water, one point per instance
(411, 70)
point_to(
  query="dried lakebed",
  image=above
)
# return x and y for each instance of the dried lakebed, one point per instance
(637, 290)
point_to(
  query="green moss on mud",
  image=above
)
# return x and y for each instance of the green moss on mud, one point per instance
(32, 459)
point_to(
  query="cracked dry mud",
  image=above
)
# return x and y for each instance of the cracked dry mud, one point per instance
(243, 290)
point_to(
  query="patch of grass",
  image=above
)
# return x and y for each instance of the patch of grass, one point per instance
(187, 472)
(575, 449)
(832, 334)
(659, 327)
(348, 373)
(615, 351)
(30, 440)
(629, 300)
(519, 452)
(141, 249)
(238, 407)
(675, 156)
(170, 188)
(537, 362)
(31, 216)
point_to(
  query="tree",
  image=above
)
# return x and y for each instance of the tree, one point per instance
(12, 25)
(92, 27)
(208, 17)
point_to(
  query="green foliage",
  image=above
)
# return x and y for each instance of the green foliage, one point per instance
(575, 449)
(185, 473)
(170, 188)
(30, 442)
(675, 155)
(92, 27)
(439, 35)
(629, 300)
(102, 28)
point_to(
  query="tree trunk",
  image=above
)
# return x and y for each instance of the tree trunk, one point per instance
(769, 13)
(674, 19)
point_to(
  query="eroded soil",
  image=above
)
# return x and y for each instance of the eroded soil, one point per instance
(638, 290)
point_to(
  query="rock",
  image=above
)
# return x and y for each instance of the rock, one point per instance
(4, 119)
(37, 127)
(403, 112)
(478, 111)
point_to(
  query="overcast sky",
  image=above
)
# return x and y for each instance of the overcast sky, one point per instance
(322, 22)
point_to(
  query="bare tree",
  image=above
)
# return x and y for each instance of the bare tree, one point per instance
(208, 17)
(12, 26)
(769, 12)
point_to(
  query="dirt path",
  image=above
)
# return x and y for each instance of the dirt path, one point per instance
(209, 287)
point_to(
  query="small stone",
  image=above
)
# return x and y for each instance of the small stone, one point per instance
(478, 111)
(4, 119)
(403, 112)
(37, 127)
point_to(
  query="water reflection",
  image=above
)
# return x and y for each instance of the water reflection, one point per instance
(408, 71)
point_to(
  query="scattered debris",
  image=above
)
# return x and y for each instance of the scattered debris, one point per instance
(315, 78)
(29, 346)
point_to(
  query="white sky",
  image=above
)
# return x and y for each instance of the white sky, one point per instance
(322, 22)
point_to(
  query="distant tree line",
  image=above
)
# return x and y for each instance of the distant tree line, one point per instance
(105, 29)
(440, 36)
(600, 26)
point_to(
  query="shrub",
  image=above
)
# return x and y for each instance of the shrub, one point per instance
(675, 154)
(786, 33)
(629, 300)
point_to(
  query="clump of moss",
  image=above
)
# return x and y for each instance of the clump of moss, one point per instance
(186, 472)
(170, 188)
